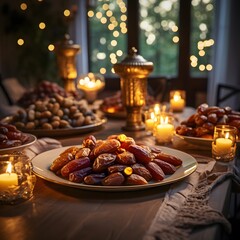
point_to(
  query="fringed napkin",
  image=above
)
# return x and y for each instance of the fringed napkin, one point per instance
(185, 205)
(42, 145)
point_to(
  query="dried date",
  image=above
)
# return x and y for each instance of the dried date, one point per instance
(116, 168)
(126, 158)
(165, 166)
(140, 153)
(156, 171)
(94, 178)
(108, 146)
(175, 161)
(75, 165)
(135, 179)
(103, 161)
(141, 170)
(79, 175)
(114, 179)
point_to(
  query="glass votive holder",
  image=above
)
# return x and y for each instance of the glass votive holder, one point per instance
(17, 180)
(177, 100)
(164, 130)
(224, 143)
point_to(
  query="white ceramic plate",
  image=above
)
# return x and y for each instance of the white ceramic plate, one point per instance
(31, 140)
(42, 162)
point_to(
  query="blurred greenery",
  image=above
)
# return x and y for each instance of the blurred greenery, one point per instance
(36, 61)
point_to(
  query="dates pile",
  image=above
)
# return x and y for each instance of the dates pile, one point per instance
(115, 161)
(10, 136)
(43, 91)
(202, 122)
(56, 112)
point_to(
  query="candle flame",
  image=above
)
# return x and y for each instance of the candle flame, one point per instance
(90, 82)
(164, 120)
(156, 109)
(177, 96)
(227, 135)
(152, 115)
(9, 168)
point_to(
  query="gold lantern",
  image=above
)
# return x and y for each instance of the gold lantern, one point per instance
(133, 72)
(66, 52)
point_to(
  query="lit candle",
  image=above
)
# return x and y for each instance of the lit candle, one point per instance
(8, 179)
(177, 102)
(90, 84)
(149, 123)
(223, 146)
(164, 131)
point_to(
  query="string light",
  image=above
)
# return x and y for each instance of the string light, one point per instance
(20, 41)
(66, 13)
(42, 25)
(209, 67)
(23, 6)
(175, 39)
(103, 70)
(90, 14)
(201, 67)
(51, 47)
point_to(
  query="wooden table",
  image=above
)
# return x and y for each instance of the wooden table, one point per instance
(61, 212)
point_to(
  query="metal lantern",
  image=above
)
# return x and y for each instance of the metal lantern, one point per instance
(66, 52)
(133, 72)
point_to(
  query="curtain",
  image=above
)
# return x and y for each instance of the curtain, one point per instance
(79, 33)
(226, 57)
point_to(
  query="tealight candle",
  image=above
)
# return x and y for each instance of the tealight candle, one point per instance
(224, 143)
(177, 100)
(223, 146)
(164, 130)
(90, 84)
(8, 179)
(150, 121)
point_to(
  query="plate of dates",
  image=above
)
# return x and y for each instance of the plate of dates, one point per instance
(30, 139)
(117, 163)
(12, 139)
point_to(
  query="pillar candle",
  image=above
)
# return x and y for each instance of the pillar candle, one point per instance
(223, 146)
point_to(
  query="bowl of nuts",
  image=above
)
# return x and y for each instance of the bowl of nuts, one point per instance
(57, 116)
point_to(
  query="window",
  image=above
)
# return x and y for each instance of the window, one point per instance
(158, 34)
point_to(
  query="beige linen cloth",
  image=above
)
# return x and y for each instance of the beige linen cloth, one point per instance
(42, 145)
(185, 205)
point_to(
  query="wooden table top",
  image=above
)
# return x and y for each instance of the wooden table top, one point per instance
(62, 212)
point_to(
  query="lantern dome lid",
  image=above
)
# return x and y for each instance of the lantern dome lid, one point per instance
(133, 59)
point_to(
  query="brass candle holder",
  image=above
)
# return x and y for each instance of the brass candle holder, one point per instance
(133, 72)
(66, 52)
